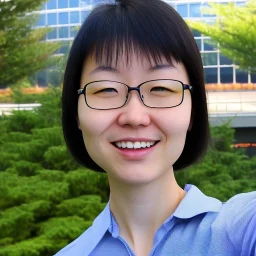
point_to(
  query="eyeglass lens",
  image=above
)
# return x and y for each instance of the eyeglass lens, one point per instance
(109, 94)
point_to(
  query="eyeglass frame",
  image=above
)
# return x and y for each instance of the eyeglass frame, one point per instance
(136, 88)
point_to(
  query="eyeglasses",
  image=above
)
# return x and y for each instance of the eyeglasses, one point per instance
(162, 93)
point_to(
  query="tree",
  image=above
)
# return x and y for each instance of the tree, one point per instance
(47, 199)
(22, 51)
(233, 32)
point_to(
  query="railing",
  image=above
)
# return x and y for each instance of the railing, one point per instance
(6, 109)
(232, 102)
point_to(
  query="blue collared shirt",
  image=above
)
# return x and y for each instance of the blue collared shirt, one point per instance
(200, 226)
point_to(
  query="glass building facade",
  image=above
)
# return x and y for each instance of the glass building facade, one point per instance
(65, 16)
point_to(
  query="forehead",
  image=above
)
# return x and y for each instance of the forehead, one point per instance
(127, 61)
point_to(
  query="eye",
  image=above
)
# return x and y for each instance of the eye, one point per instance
(107, 90)
(160, 89)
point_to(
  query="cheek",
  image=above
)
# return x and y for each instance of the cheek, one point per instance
(176, 121)
(93, 123)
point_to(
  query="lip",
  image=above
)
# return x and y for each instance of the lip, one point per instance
(135, 154)
(133, 139)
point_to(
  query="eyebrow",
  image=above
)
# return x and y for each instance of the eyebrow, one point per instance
(161, 67)
(104, 68)
(114, 70)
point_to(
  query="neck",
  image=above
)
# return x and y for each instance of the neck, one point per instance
(141, 209)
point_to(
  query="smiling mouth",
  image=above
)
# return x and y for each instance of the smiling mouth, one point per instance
(134, 145)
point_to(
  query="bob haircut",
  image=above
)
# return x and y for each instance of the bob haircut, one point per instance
(152, 29)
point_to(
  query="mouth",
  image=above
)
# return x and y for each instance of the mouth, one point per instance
(137, 145)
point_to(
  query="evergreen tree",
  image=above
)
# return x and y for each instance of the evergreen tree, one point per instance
(47, 200)
(233, 32)
(22, 51)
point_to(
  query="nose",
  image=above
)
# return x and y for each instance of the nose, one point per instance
(134, 113)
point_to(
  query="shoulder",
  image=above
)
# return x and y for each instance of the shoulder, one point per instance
(239, 216)
(241, 206)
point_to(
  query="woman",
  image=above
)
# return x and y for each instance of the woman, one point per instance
(134, 106)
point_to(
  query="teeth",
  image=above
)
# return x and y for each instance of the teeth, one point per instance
(137, 144)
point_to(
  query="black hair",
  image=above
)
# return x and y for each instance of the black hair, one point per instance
(152, 29)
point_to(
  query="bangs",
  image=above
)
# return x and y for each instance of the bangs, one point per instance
(116, 31)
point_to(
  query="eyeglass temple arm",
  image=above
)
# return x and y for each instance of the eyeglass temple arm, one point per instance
(80, 91)
(189, 87)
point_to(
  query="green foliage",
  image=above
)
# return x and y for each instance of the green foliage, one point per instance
(234, 32)
(47, 200)
(225, 171)
(22, 50)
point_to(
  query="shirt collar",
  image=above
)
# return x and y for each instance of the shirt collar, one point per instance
(194, 203)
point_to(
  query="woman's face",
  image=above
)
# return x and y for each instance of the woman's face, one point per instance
(134, 122)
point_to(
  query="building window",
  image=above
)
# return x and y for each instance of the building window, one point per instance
(206, 6)
(226, 75)
(51, 19)
(74, 17)
(63, 18)
(52, 4)
(73, 31)
(41, 20)
(196, 33)
(199, 44)
(194, 10)
(253, 78)
(96, 1)
(62, 4)
(85, 2)
(211, 75)
(43, 6)
(64, 48)
(41, 78)
(63, 32)
(208, 46)
(73, 3)
(52, 34)
(225, 61)
(183, 10)
(84, 15)
(241, 76)
(209, 58)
